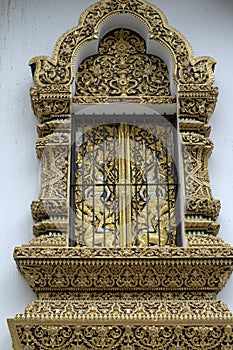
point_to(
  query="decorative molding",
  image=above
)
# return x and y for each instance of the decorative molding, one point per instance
(128, 336)
(50, 227)
(98, 99)
(44, 208)
(202, 206)
(50, 240)
(109, 269)
(52, 126)
(197, 225)
(195, 126)
(133, 306)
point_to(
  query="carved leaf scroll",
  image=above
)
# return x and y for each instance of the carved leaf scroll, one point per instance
(122, 68)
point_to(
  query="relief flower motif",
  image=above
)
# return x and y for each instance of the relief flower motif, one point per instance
(122, 46)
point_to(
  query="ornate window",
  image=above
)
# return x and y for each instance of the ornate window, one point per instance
(114, 261)
(125, 181)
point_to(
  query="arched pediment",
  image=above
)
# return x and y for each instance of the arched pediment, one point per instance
(122, 69)
(59, 69)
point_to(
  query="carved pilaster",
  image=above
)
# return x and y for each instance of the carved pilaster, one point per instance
(51, 210)
(201, 208)
(196, 104)
(52, 106)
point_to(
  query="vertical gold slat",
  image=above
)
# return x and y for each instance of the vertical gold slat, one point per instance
(121, 192)
(128, 194)
(124, 186)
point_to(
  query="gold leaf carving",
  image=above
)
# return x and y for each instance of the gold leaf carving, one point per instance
(122, 68)
(59, 68)
(127, 336)
(137, 297)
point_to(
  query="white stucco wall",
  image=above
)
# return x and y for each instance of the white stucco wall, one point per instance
(31, 28)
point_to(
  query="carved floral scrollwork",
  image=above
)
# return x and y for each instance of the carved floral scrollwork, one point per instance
(126, 336)
(201, 109)
(134, 306)
(197, 101)
(46, 337)
(51, 103)
(97, 275)
(139, 253)
(199, 71)
(122, 68)
(57, 138)
(52, 107)
(51, 73)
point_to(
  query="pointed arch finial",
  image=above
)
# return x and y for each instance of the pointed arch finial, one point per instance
(59, 69)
